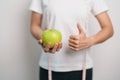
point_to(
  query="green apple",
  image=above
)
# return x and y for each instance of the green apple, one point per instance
(51, 36)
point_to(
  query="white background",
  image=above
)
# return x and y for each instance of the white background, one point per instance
(19, 51)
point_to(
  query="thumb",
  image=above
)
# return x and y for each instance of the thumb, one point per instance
(80, 29)
(40, 41)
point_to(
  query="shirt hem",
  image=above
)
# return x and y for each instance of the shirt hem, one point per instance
(66, 68)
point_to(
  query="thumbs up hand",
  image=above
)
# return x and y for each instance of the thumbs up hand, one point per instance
(80, 41)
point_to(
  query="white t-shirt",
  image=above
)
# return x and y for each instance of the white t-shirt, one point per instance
(64, 16)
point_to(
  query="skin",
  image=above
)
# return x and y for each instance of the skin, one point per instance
(76, 42)
(36, 31)
(81, 41)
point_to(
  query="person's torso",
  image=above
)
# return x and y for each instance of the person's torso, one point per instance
(64, 16)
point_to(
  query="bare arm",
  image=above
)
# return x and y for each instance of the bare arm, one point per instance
(106, 28)
(36, 29)
(81, 41)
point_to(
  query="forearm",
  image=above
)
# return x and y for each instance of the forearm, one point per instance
(106, 28)
(36, 29)
(36, 32)
(102, 35)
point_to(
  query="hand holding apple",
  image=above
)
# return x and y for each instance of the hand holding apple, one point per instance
(51, 40)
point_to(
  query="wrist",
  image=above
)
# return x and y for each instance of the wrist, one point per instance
(92, 41)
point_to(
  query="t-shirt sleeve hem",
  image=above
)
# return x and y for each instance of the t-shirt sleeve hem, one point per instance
(101, 11)
(35, 10)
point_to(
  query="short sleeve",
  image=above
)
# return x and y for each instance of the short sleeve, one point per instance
(98, 6)
(36, 6)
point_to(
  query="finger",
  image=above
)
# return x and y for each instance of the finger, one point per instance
(74, 41)
(78, 45)
(40, 41)
(73, 45)
(59, 46)
(82, 48)
(54, 49)
(75, 37)
(47, 47)
(75, 49)
(80, 29)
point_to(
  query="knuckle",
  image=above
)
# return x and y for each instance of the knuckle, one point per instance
(46, 49)
(53, 52)
(57, 49)
(60, 46)
(77, 42)
(76, 49)
(77, 46)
